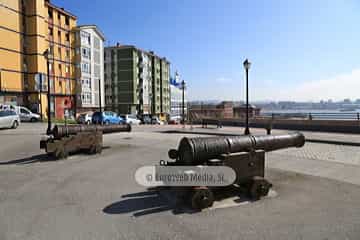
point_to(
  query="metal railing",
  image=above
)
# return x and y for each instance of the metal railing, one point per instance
(316, 115)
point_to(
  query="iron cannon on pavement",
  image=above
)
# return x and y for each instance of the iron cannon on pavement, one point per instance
(244, 154)
(74, 138)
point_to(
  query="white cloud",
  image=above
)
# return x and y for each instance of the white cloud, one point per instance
(336, 88)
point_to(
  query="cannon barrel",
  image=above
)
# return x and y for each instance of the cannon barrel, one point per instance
(62, 130)
(196, 151)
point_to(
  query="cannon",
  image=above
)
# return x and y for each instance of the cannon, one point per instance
(244, 154)
(74, 138)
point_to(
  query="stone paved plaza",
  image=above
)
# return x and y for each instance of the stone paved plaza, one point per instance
(96, 197)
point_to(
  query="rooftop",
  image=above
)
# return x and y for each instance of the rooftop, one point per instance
(120, 46)
(94, 27)
(62, 10)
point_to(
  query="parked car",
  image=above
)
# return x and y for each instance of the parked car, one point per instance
(27, 116)
(146, 119)
(9, 119)
(84, 118)
(155, 120)
(175, 120)
(107, 117)
(131, 119)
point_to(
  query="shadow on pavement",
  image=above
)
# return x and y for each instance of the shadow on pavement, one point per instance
(157, 200)
(29, 160)
(41, 158)
(139, 204)
(148, 202)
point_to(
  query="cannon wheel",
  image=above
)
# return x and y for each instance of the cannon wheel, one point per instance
(61, 153)
(259, 188)
(94, 149)
(201, 198)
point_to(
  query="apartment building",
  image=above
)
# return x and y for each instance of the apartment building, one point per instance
(136, 81)
(176, 96)
(90, 55)
(27, 29)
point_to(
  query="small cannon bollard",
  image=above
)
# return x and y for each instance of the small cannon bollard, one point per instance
(244, 154)
(73, 138)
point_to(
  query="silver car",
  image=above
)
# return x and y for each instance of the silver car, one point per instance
(9, 119)
(27, 115)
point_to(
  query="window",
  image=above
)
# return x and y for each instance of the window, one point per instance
(86, 97)
(51, 32)
(96, 43)
(59, 51)
(67, 53)
(67, 86)
(67, 21)
(86, 83)
(67, 37)
(85, 38)
(59, 16)
(52, 50)
(85, 67)
(85, 52)
(23, 111)
(59, 35)
(50, 13)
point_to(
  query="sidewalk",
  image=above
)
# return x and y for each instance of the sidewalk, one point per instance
(320, 137)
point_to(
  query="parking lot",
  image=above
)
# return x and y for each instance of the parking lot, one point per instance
(317, 193)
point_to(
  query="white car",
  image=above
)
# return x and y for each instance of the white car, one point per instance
(9, 119)
(27, 115)
(131, 119)
(84, 118)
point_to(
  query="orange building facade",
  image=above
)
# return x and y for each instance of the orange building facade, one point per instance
(27, 29)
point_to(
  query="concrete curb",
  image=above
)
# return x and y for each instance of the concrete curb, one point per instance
(345, 143)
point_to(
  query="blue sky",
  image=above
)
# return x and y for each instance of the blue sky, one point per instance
(300, 50)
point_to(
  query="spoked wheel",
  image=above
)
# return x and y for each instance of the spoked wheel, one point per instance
(62, 153)
(94, 149)
(202, 197)
(260, 187)
(98, 149)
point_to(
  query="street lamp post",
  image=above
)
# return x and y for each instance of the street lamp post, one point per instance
(47, 57)
(100, 95)
(247, 67)
(183, 100)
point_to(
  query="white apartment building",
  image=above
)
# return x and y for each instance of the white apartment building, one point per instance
(176, 97)
(90, 56)
(145, 95)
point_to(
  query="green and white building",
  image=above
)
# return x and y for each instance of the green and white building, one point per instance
(136, 81)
